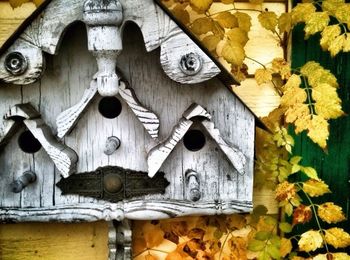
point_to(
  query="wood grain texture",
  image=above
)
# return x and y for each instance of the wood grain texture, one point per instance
(63, 86)
(63, 157)
(54, 241)
(149, 120)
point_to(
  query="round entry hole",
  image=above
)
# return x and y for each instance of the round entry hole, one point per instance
(110, 107)
(194, 140)
(28, 143)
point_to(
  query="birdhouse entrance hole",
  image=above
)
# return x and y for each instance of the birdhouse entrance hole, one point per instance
(194, 140)
(28, 143)
(110, 107)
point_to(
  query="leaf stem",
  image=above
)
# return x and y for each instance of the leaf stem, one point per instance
(316, 217)
(258, 62)
(308, 93)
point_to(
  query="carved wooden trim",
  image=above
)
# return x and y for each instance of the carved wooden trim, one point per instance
(124, 240)
(63, 157)
(235, 156)
(149, 119)
(6, 131)
(157, 155)
(68, 118)
(134, 210)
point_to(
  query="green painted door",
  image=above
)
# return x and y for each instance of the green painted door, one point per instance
(333, 167)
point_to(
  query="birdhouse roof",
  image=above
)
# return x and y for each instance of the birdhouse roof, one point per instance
(225, 76)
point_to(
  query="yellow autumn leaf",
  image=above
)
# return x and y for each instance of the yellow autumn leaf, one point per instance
(244, 21)
(285, 22)
(297, 111)
(336, 45)
(302, 123)
(226, 20)
(337, 237)
(310, 241)
(38, 2)
(268, 20)
(318, 131)
(201, 6)
(211, 41)
(319, 76)
(233, 53)
(328, 35)
(286, 247)
(202, 25)
(301, 11)
(316, 22)
(238, 35)
(324, 91)
(332, 5)
(282, 67)
(346, 43)
(328, 109)
(263, 76)
(340, 256)
(181, 13)
(315, 188)
(293, 95)
(342, 13)
(330, 213)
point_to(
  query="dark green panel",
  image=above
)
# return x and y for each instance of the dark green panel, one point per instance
(333, 167)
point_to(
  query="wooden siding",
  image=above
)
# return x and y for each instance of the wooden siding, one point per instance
(75, 241)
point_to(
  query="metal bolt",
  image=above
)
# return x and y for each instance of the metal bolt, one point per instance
(23, 181)
(112, 144)
(112, 183)
(16, 63)
(191, 63)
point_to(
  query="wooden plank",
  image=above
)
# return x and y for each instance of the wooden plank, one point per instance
(85, 241)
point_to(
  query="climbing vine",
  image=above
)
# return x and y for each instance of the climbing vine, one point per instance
(309, 100)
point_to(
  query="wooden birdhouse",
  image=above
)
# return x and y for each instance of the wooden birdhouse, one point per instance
(111, 111)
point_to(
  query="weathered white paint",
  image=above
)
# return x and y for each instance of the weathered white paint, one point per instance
(236, 157)
(35, 63)
(63, 157)
(46, 33)
(222, 189)
(149, 120)
(68, 118)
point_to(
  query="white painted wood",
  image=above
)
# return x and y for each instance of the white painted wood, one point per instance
(64, 158)
(149, 120)
(160, 153)
(35, 63)
(124, 240)
(46, 32)
(157, 155)
(68, 118)
(134, 210)
(6, 128)
(236, 157)
(112, 241)
(222, 189)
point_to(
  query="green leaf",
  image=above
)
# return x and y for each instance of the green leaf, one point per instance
(310, 172)
(295, 159)
(256, 245)
(262, 235)
(273, 251)
(296, 168)
(285, 227)
(270, 220)
(244, 21)
(259, 210)
(264, 256)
